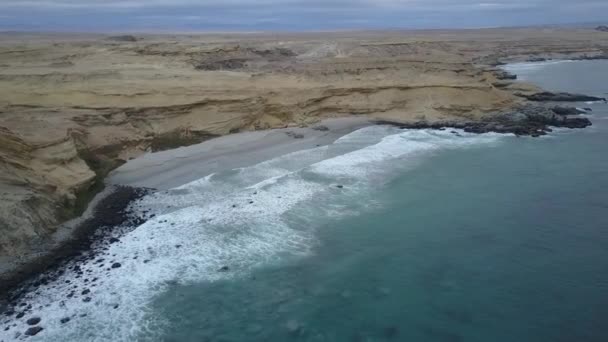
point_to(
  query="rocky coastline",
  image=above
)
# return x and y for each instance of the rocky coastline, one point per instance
(110, 219)
(526, 120)
(238, 87)
(547, 96)
(111, 214)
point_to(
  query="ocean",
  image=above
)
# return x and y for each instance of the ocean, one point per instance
(384, 235)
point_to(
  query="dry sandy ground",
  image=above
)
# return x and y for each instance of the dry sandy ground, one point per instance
(74, 107)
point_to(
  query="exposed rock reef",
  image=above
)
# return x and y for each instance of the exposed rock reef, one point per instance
(74, 107)
(521, 120)
(547, 96)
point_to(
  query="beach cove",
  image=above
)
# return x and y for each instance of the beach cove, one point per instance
(353, 231)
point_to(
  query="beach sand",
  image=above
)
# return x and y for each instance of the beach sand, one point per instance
(172, 168)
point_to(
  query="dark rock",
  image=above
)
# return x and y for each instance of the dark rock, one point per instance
(116, 265)
(537, 59)
(576, 123)
(294, 135)
(224, 269)
(65, 320)
(567, 110)
(528, 119)
(86, 299)
(116, 306)
(321, 128)
(602, 28)
(223, 64)
(339, 186)
(273, 53)
(123, 38)
(113, 240)
(587, 109)
(19, 315)
(109, 213)
(547, 96)
(595, 57)
(33, 331)
(504, 75)
(33, 320)
(85, 292)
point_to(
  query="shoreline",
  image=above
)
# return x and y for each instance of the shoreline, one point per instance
(77, 240)
(105, 216)
(171, 168)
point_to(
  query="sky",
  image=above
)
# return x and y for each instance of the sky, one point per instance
(290, 15)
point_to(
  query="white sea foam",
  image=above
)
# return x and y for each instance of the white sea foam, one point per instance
(517, 68)
(242, 219)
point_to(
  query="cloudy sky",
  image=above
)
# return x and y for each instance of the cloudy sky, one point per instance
(178, 15)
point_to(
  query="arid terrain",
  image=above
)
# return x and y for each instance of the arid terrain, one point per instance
(74, 107)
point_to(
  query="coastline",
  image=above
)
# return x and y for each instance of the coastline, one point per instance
(212, 86)
(171, 168)
(166, 169)
(107, 214)
(75, 240)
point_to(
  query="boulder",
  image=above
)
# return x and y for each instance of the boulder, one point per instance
(33, 331)
(567, 110)
(33, 320)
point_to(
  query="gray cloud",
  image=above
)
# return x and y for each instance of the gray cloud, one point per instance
(291, 14)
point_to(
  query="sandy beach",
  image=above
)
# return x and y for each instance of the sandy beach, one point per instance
(172, 168)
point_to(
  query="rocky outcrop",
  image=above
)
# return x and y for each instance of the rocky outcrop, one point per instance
(123, 38)
(524, 120)
(223, 64)
(547, 96)
(108, 215)
(504, 75)
(602, 28)
(567, 110)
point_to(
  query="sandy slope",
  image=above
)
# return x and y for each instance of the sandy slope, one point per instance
(74, 107)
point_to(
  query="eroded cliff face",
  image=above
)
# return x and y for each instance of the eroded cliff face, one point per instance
(72, 108)
(39, 185)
